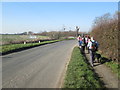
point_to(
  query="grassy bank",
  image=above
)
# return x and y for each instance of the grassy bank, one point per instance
(14, 47)
(79, 73)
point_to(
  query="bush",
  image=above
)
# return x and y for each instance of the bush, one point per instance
(105, 31)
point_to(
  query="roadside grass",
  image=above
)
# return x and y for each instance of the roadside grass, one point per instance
(69, 39)
(114, 66)
(79, 73)
(13, 47)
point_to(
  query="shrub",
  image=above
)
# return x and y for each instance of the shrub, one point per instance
(105, 31)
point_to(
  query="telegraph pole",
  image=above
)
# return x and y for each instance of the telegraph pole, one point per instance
(64, 27)
(77, 30)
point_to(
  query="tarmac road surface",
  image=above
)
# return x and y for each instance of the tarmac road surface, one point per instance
(39, 67)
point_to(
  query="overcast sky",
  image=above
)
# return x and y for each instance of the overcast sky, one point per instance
(19, 17)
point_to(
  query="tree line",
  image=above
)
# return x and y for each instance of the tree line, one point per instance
(58, 34)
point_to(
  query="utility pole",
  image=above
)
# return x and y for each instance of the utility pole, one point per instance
(77, 30)
(64, 27)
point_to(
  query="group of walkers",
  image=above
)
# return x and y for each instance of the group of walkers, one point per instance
(90, 44)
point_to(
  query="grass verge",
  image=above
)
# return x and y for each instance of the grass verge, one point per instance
(114, 66)
(16, 47)
(79, 73)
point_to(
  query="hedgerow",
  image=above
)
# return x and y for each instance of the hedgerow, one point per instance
(105, 30)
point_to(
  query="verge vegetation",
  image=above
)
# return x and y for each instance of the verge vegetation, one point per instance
(114, 66)
(80, 74)
(16, 47)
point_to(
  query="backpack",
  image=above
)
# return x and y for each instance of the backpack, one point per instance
(94, 46)
(79, 38)
(83, 42)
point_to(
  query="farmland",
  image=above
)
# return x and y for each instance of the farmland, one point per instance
(12, 39)
(10, 43)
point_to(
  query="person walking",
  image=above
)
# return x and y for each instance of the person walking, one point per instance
(79, 38)
(83, 45)
(93, 47)
(86, 41)
(89, 40)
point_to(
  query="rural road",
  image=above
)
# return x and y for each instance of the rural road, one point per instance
(39, 67)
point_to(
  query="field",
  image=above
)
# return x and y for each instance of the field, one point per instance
(10, 43)
(12, 39)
